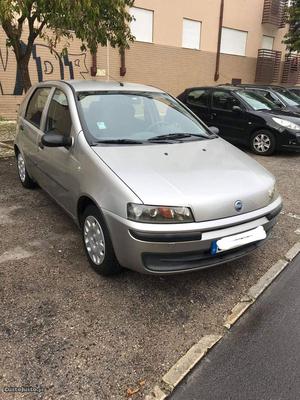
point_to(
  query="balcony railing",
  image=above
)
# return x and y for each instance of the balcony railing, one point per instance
(268, 66)
(291, 69)
(275, 12)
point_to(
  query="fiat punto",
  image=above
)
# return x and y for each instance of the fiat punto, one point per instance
(151, 187)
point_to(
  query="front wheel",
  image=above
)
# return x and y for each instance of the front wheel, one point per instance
(97, 242)
(263, 143)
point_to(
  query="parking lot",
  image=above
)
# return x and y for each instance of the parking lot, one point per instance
(79, 335)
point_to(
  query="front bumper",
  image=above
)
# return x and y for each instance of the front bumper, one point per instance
(290, 140)
(161, 249)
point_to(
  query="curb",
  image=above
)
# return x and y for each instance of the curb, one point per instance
(198, 351)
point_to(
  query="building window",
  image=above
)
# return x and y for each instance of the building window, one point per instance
(191, 33)
(267, 42)
(142, 26)
(233, 42)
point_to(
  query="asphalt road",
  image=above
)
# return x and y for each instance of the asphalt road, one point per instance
(260, 357)
(83, 336)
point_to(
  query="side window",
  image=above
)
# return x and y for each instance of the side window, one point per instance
(59, 118)
(36, 106)
(224, 100)
(198, 97)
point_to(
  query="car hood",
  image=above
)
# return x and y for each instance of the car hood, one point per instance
(288, 115)
(208, 175)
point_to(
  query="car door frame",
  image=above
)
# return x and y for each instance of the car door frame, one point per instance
(62, 185)
(239, 136)
(193, 108)
(30, 131)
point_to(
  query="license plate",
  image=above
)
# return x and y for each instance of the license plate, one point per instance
(241, 239)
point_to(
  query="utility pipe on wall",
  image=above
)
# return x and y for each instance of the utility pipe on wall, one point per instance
(217, 71)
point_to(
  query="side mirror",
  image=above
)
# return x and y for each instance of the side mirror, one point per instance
(237, 109)
(214, 130)
(56, 140)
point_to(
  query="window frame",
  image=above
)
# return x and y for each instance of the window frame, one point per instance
(246, 41)
(208, 90)
(40, 126)
(50, 98)
(200, 32)
(152, 27)
(241, 104)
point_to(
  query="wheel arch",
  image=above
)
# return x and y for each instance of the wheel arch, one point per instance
(83, 202)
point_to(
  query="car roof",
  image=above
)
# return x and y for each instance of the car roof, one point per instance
(226, 87)
(266, 87)
(95, 85)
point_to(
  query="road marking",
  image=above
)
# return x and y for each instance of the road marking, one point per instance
(17, 253)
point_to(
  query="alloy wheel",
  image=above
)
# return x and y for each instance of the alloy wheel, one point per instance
(21, 168)
(94, 240)
(261, 143)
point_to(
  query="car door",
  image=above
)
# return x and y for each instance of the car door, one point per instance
(59, 167)
(229, 115)
(198, 101)
(29, 126)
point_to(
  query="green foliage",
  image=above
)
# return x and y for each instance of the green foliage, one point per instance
(92, 21)
(292, 38)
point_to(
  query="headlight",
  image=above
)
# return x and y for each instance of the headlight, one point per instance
(286, 124)
(158, 214)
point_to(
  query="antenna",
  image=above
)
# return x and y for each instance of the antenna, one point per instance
(115, 80)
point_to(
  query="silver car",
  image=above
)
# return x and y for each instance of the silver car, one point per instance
(151, 187)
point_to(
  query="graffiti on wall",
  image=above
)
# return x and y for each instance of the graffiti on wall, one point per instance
(44, 65)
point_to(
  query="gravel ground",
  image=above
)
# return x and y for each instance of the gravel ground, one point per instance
(82, 336)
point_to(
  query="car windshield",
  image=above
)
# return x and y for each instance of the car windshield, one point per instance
(288, 97)
(256, 101)
(132, 117)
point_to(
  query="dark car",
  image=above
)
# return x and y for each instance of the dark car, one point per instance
(245, 117)
(283, 97)
(295, 90)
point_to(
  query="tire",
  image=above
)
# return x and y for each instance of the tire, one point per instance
(263, 143)
(97, 243)
(24, 177)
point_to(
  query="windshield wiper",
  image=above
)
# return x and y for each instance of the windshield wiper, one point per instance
(117, 141)
(174, 136)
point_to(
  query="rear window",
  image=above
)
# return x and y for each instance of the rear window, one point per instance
(36, 106)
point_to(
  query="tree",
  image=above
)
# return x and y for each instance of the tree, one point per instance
(292, 38)
(92, 21)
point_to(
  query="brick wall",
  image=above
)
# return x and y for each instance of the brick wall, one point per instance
(170, 68)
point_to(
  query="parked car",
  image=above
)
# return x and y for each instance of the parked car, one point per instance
(150, 186)
(295, 89)
(245, 117)
(281, 96)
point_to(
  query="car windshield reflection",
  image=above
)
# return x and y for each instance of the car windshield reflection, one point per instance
(132, 118)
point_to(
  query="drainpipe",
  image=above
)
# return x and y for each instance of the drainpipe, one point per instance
(123, 62)
(217, 71)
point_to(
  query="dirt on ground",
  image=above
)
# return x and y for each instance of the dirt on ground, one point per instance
(7, 136)
(77, 335)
